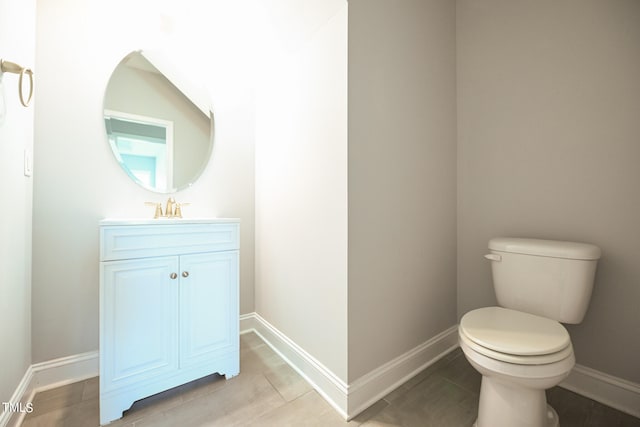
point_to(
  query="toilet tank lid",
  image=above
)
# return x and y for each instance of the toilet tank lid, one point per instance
(548, 248)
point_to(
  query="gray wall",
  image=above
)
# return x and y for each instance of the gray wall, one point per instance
(17, 44)
(402, 175)
(77, 180)
(548, 147)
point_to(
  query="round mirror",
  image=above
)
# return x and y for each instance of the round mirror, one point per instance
(158, 123)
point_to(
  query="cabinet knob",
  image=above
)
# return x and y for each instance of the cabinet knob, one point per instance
(173, 275)
(185, 274)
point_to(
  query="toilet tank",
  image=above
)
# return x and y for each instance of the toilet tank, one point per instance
(549, 278)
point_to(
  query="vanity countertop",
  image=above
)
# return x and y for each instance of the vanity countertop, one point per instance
(166, 221)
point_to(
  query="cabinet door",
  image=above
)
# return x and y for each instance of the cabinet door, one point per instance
(208, 306)
(139, 320)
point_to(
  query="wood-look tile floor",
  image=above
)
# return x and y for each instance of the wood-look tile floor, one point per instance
(270, 393)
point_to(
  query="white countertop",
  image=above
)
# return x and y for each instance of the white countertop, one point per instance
(167, 221)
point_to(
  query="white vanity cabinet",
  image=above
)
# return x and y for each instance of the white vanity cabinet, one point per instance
(168, 307)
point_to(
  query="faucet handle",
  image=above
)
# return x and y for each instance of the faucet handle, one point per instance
(158, 206)
(178, 211)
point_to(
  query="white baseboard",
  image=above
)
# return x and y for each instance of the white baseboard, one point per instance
(50, 374)
(620, 394)
(248, 323)
(325, 382)
(65, 370)
(351, 399)
(18, 397)
(376, 384)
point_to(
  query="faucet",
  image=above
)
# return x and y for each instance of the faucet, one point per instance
(169, 210)
(172, 210)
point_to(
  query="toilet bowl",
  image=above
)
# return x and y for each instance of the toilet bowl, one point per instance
(519, 356)
(520, 347)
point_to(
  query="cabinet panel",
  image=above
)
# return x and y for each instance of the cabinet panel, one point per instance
(208, 306)
(144, 241)
(139, 330)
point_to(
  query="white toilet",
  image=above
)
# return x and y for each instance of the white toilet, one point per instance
(520, 348)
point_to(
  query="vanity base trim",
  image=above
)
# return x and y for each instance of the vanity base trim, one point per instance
(114, 403)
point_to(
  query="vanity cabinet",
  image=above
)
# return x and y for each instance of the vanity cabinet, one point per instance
(168, 307)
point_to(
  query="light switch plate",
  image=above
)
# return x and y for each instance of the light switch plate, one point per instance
(28, 162)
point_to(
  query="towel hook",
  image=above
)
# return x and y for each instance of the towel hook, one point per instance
(12, 67)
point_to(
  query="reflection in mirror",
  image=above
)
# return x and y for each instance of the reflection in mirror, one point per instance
(144, 148)
(158, 126)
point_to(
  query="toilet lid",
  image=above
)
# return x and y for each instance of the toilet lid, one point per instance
(514, 332)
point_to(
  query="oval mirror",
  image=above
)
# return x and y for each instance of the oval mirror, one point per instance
(158, 123)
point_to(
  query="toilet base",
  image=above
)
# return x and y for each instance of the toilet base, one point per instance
(552, 417)
(505, 404)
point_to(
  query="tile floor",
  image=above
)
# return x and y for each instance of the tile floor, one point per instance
(270, 393)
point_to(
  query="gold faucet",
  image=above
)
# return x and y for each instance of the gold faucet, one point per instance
(169, 211)
(172, 209)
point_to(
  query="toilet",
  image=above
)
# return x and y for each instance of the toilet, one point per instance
(521, 348)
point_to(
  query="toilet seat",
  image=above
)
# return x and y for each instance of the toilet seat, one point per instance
(515, 337)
